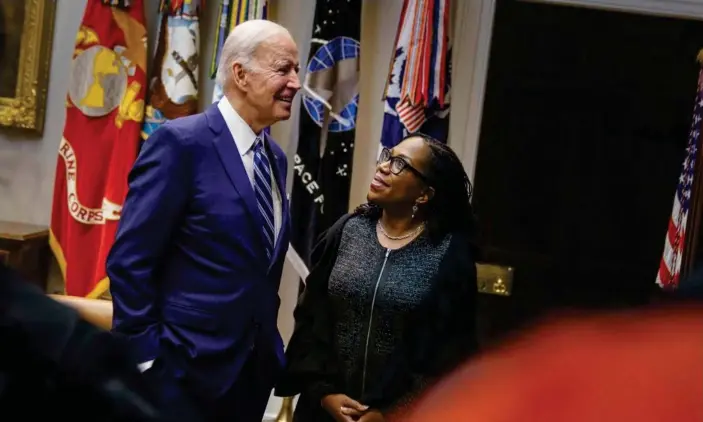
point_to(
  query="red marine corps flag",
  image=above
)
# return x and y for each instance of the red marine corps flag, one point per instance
(104, 113)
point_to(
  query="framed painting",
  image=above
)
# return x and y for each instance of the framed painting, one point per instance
(26, 33)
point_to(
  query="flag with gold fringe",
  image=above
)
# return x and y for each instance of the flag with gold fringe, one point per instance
(104, 113)
(173, 89)
(231, 14)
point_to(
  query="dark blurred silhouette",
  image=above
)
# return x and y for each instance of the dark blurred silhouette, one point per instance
(53, 363)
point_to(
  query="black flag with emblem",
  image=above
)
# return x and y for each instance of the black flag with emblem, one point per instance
(323, 161)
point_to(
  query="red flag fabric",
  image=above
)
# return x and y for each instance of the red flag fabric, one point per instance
(104, 113)
(639, 365)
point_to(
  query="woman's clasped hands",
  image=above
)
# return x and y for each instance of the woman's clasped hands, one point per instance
(345, 409)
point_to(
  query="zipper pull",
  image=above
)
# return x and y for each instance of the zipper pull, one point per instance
(388, 252)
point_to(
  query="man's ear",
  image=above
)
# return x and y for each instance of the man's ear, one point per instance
(240, 76)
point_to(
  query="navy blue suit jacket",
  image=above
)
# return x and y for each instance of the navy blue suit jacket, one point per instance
(189, 276)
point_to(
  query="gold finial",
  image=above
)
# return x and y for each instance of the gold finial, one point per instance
(286, 412)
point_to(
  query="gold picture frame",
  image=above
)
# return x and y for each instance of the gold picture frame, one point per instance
(27, 107)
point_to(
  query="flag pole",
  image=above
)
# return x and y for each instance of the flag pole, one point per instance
(272, 10)
(286, 412)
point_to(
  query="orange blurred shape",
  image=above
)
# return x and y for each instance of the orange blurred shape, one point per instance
(634, 366)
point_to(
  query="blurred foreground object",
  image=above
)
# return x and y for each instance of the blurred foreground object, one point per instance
(638, 365)
(66, 367)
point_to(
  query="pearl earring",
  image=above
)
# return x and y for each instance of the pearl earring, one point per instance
(414, 211)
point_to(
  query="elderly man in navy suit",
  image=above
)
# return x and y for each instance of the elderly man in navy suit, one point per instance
(197, 260)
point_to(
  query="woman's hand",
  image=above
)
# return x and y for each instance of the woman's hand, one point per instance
(342, 408)
(372, 416)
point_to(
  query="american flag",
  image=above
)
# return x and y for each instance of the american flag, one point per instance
(670, 266)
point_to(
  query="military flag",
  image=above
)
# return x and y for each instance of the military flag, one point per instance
(104, 113)
(323, 161)
(231, 14)
(173, 89)
(417, 94)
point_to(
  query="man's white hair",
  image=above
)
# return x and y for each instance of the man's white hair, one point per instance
(241, 44)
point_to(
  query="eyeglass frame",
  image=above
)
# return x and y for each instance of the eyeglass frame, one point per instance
(405, 165)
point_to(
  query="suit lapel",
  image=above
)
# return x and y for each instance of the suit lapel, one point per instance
(232, 162)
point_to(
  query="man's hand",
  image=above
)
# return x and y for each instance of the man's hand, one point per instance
(342, 408)
(372, 416)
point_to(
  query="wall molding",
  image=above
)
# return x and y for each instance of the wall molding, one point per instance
(470, 54)
(685, 9)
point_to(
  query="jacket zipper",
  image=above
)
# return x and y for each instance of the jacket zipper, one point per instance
(368, 332)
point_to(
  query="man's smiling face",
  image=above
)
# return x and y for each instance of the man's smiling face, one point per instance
(273, 81)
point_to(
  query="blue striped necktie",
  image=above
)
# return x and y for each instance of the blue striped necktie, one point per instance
(264, 196)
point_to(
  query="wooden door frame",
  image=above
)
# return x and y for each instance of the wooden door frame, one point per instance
(472, 34)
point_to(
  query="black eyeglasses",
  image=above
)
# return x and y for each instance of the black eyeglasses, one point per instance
(398, 164)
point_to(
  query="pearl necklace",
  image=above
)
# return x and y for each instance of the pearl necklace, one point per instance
(401, 237)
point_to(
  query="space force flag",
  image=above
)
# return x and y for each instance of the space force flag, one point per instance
(417, 94)
(323, 160)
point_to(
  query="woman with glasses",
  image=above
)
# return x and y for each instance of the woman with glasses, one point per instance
(390, 303)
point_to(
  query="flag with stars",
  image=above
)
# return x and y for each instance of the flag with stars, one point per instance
(173, 89)
(231, 14)
(417, 94)
(674, 242)
(323, 160)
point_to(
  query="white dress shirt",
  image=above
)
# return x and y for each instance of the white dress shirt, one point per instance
(245, 137)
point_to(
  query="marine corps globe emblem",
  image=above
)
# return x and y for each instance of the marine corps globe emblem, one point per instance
(98, 81)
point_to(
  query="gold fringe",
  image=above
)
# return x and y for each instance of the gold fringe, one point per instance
(100, 289)
(58, 253)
